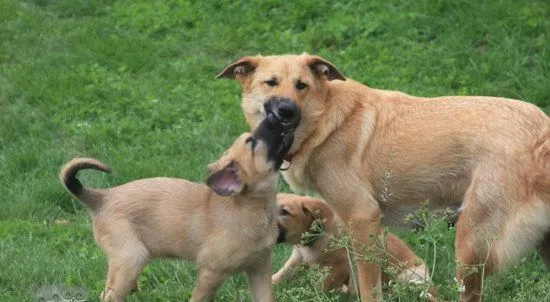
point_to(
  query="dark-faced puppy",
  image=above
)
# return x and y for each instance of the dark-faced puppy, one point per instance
(225, 233)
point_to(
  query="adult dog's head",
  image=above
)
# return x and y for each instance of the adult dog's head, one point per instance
(272, 82)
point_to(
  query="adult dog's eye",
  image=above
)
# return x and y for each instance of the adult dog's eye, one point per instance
(301, 85)
(252, 141)
(271, 82)
(284, 212)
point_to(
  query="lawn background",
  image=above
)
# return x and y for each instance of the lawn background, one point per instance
(132, 84)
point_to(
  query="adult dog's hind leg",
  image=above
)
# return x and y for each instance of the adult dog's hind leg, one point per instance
(473, 261)
(476, 229)
(544, 250)
(502, 220)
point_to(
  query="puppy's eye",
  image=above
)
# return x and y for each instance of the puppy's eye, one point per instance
(301, 85)
(252, 141)
(284, 212)
(271, 82)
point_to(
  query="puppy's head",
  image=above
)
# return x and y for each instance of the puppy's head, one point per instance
(251, 164)
(296, 216)
(277, 80)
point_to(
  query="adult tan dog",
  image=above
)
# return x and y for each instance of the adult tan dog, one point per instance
(297, 215)
(224, 233)
(372, 153)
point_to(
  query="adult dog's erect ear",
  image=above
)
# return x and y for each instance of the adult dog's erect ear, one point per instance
(322, 67)
(243, 67)
(226, 182)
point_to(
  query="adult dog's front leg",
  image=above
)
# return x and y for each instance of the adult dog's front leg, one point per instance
(366, 246)
(365, 226)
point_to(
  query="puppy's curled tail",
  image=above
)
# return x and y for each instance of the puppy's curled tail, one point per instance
(68, 177)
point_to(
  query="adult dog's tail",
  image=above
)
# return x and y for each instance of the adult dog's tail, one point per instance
(68, 177)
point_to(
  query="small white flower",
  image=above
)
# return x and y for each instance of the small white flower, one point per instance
(416, 281)
(462, 287)
(425, 295)
(83, 125)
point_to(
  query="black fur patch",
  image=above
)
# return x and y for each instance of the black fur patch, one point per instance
(282, 235)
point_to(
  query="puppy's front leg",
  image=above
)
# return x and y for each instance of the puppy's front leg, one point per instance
(259, 280)
(289, 267)
(207, 285)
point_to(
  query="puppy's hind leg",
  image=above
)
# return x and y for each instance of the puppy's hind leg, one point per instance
(207, 284)
(123, 273)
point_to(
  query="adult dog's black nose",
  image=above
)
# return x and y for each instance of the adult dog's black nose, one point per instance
(285, 111)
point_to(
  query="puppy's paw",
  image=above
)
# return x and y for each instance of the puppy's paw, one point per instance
(344, 289)
(276, 278)
(107, 295)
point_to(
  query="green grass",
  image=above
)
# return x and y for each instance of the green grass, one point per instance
(132, 83)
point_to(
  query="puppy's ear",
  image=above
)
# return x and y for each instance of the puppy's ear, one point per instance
(324, 68)
(317, 209)
(312, 210)
(226, 181)
(243, 67)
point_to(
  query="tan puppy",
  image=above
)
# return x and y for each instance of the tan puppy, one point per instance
(296, 215)
(372, 153)
(224, 233)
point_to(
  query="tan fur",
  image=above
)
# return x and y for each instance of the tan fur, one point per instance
(296, 215)
(376, 154)
(167, 217)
